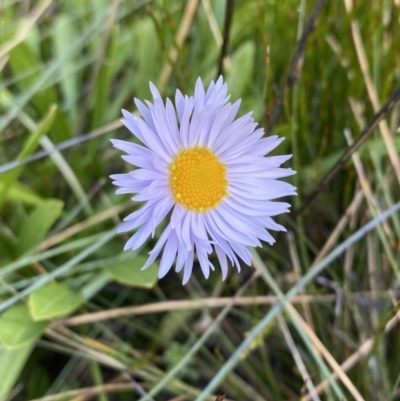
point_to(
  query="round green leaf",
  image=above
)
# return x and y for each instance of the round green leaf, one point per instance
(53, 300)
(129, 272)
(17, 327)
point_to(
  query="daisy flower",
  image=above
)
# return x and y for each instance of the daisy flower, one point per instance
(209, 171)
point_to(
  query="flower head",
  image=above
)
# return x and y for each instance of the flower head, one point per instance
(209, 170)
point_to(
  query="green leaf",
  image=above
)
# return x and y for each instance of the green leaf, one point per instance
(129, 272)
(21, 193)
(65, 32)
(17, 327)
(9, 178)
(100, 100)
(53, 300)
(25, 63)
(38, 223)
(12, 361)
(242, 69)
(147, 55)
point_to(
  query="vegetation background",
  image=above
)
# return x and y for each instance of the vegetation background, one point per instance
(80, 321)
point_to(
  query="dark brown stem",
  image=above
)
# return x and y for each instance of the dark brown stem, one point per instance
(227, 29)
(365, 133)
(295, 65)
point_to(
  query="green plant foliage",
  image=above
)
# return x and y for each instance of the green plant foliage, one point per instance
(53, 300)
(8, 180)
(12, 362)
(67, 68)
(21, 193)
(64, 33)
(129, 272)
(242, 67)
(36, 225)
(17, 328)
(24, 62)
(147, 55)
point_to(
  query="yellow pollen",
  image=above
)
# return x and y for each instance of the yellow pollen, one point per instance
(198, 179)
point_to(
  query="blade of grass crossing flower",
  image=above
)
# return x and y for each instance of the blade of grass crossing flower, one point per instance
(307, 278)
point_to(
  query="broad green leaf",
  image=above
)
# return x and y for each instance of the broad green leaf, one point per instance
(17, 327)
(21, 193)
(12, 361)
(129, 272)
(37, 224)
(147, 55)
(53, 300)
(242, 68)
(9, 178)
(25, 64)
(100, 98)
(65, 32)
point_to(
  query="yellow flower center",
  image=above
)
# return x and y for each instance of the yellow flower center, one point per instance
(198, 179)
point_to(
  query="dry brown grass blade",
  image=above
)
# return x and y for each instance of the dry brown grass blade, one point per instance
(335, 234)
(337, 369)
(310, 337)
(90, 222)
(294, 257)
(183, 30)
(93, 354)
(366, 187)
(361, 353)
(23, 32)
(372, 92)
(159, 307)
(297, 358)
(88, 391)
(212, 22)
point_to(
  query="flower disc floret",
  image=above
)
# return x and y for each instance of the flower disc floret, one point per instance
(198, 179)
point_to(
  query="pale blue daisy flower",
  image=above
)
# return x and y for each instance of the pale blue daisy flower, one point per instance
(209, 171)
